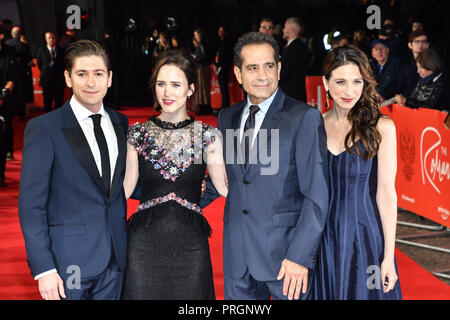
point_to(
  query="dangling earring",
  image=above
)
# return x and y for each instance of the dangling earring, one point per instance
(188, 102)
(327, 96)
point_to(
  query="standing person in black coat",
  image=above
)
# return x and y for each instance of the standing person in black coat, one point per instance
(51, 64)
(222, 65)
(294, 61)
(23, 61)
(7, 78)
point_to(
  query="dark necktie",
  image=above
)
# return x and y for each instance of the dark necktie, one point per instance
(104, 153)
(249, 124)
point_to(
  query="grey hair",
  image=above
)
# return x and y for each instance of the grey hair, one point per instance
(254, 38)
(297, 25)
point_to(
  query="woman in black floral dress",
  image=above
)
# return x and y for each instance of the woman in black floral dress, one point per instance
(168, 250)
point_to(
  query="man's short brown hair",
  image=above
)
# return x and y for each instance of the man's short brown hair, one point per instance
(84, 48)
(416, 34)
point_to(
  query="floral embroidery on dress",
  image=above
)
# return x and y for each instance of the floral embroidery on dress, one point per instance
(184, 143)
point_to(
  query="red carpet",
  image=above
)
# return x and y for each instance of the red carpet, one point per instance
(16, 281)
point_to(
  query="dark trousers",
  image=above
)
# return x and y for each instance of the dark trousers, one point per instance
(105, 286)
(7, 112)
(20, 106)
(224, 76)
(21, 96)
(50, 93)
(248, 288)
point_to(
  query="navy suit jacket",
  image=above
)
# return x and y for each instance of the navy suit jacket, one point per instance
(67, 218)
(268, 218)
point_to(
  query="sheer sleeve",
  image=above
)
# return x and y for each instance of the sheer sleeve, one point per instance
(213, 148)
(210, 135)
(137, 136)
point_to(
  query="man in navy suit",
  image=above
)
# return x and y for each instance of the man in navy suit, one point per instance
(276, 208)
(72, 208)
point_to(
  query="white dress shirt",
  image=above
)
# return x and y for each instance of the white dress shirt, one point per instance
(50, 49)
(87, 125)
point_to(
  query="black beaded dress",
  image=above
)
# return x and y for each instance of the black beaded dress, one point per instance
(168, 249)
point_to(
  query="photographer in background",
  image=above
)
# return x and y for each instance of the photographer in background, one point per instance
(6, 87)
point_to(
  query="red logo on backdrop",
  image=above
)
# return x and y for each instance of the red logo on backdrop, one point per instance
(423, 182)
(434, 163)
(215, 88)
(407, 147)
(435, 170)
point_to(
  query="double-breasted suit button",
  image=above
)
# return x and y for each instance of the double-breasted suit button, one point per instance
(246, 182)
(245, 211)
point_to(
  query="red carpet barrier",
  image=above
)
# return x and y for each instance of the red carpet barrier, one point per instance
(315, 93)
(423, 161)
(38, 96)
(234, 89)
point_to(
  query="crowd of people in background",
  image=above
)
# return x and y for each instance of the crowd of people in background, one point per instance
(393, 55)
(406, 65)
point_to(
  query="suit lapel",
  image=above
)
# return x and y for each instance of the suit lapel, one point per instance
(77, 141)
(235, 125)
(121, 145)
(271, 121)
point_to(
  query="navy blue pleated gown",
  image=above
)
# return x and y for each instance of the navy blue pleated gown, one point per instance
(352, 246)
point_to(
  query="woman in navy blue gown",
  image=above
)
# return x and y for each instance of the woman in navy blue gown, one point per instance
(356, 255)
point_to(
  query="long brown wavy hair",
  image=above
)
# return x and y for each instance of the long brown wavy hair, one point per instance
(364, 115)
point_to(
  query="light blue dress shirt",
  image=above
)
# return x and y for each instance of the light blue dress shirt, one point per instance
(259, 117)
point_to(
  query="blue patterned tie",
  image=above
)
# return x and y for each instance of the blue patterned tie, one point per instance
(249, 124)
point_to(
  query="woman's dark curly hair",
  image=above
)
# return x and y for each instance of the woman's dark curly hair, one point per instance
(365, 114)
